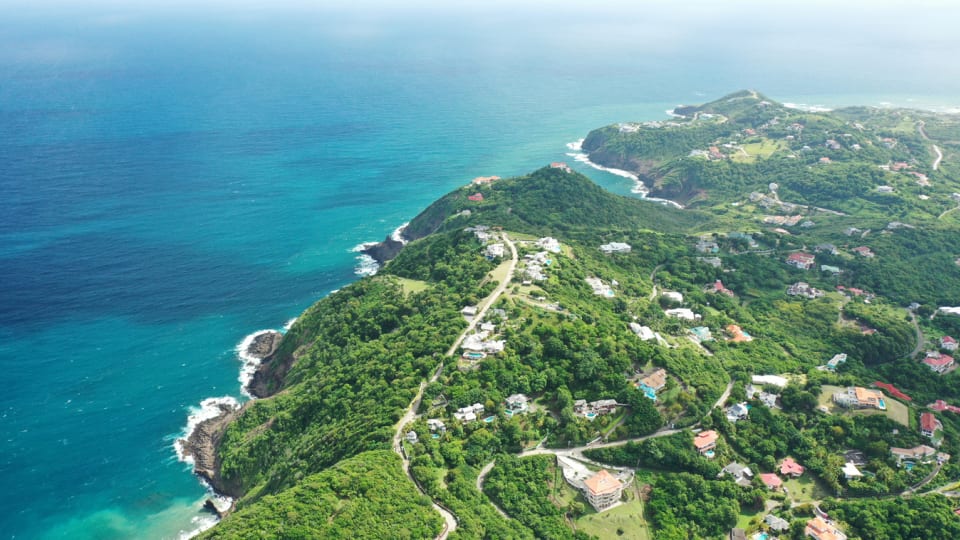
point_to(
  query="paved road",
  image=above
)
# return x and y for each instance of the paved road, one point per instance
(916, 328)
(494, 296)
(480, 479)
(936, 149)
(410, 415)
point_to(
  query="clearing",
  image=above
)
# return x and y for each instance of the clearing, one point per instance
(628, 518)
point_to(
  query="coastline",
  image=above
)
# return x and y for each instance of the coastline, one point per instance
(639, 187)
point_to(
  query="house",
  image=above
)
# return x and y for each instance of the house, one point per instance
(772, 481)
(919, 454)
(643, 332)
(485, 180)
(705, 441)
(615, 247)
(560, 165)
(947, 343)
(702, 333)
(599, 287)
(938, 362)
(737, 334)
(715, 262)
(858, 397)
(494, 251)
(412, 436)
(850, 471)
(769, 400)
(682, 313)
(435, 424)
(738, 534)
(831, 269)
(476, 197)
(603, 406)
(863, 251)
(802, 288)
(884, 189)
(789, 467)
(737, 412)
(707, 246)
(821, 529)
(656, 380)
(741, 473)
(803, 261)
(468, 413)
(776, 524)
(674, 296)
(602, 490)
(828, 248)
(941, 405)
(469, 311)
(718, 288)
(517, 403)
(550, 244)
(929, 425)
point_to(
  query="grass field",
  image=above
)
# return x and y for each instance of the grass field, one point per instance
(762, 149)
(746, 518)
(628, 518)
(805, 489)
(410, 286)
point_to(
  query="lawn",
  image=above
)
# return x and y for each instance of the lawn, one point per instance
(500, 272)
(627, 517)
(410, 286)
(805, 489)
(746, 519)
(763, 149)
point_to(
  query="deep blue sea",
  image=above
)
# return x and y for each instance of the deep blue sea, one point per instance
(174, 178)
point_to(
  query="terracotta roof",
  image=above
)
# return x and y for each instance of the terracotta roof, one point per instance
(656, 379)
(771, 480)
(929, 422)
(602, 483)
(789, 466)
(868, 396)
(892, 390)
(947, 339)
(821, 530)
(705, 439)
(938, 360)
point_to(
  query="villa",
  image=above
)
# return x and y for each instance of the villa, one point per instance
(803, 261)
(919, 454)
(682, 313)
(602, 490)
(468, 413)
(560, 165)
(772, 481)
(737, 412)
(802, 288)
(517, 403)
(599, 287)
(615, 247)
(705, 441)
(741, 473)
(594, 408)
(938, 362)
(485, 179)
(476, 197)
(858, 397)
(435, 424)
(643, 332)
(656, 380)
(494, 251)
(929, 425)
(737, 334)
(850, 471)
(863, 251)
(789, 467)
(820, 529)
(836, 361)
(941, 405)
(776, 524)
(702, 333)
(550, 244)
(673, 295)
(718, 288)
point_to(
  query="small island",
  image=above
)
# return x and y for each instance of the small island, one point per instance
(540, 358)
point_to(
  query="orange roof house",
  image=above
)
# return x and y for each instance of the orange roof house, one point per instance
(602, 490)
(705, 440)
(771, 480)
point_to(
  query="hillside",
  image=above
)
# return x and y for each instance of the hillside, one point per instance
(543, 316)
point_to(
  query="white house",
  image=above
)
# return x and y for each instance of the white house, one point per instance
(615, 247)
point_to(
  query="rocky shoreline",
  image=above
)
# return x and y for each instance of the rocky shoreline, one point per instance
(264, 344)
(201, 446)
(385, 250)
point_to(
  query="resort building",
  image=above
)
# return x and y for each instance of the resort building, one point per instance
(602, 490)
(705, 441)
(858, 397)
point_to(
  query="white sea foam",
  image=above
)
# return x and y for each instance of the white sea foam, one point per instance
(397, 234)
(288, 325)
(807, 108)
(363, 247)
(209, 408)
(200, 524)
(638, 186)
(250, 362)
(673, 114)
(366, 266)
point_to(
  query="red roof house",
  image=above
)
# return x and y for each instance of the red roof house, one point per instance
(929, 424)
(772, 481)
(476, 197)
(938, 361)
(941, 405)
(789, 467)
(948, 343)
(804, 261)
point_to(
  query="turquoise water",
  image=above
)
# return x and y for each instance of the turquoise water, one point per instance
(174, 179)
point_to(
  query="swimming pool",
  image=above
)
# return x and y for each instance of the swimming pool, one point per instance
(590, 415)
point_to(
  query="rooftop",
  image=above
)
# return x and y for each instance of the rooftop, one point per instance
(602, 483)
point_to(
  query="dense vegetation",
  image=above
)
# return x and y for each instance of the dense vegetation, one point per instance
(366, 496)
(302, 459)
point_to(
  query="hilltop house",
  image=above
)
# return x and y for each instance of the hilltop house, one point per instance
(938, 362)
(858, 397)
(929, 425)
(803, 261)
(705, 441)
(947, 343)
(560, 165)
(602, 490)
(919, 454)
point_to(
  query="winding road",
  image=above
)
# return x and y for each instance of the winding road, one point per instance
(936, 149)
(410, 414)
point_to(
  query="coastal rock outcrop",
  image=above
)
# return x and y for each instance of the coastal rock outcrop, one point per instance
(201, 446)
(264, 344)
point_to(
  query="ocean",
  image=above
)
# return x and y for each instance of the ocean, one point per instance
(175, 177)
